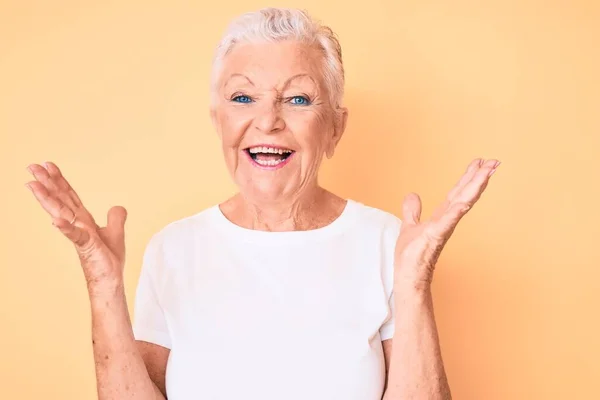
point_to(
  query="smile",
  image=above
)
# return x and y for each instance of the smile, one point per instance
(269, 157)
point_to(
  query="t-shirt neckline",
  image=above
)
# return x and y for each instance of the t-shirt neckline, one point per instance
(340, 224)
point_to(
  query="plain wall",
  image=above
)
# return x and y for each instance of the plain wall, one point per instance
(116, 93)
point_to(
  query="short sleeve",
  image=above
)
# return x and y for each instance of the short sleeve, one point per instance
(386, 331)
(150, 324)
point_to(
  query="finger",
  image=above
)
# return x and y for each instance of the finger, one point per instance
(62, 182)
(42, 175)
(76, 234)
(411, 209)
(52, 205)
(475, 187)
(467, 176)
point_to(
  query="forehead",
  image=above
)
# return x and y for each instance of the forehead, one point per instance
(271, 64)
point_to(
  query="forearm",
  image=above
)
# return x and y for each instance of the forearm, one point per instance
(416, 369)
(120, 370)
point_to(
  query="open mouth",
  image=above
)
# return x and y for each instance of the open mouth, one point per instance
(269, 156)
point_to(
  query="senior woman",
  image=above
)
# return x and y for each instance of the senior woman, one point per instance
(285, 290)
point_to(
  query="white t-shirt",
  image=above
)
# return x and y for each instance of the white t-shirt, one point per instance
(258, 315)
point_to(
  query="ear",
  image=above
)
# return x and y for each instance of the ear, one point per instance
(341, 118)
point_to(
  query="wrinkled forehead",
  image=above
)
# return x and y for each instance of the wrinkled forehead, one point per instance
(273, 66)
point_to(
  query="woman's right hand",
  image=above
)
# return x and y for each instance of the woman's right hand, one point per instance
(101, 251)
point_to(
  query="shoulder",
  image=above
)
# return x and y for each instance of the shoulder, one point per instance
(181, 233)
(379, 229)
(372, 218)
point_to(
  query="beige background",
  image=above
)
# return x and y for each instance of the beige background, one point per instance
(116, 94)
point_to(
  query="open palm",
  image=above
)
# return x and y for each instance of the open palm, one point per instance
(101, 250)
(420, 242)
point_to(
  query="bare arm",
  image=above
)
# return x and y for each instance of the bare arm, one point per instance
(120, 369)
(416, 370)
(155, 357)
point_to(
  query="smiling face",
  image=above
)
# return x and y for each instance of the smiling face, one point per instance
(275, 119)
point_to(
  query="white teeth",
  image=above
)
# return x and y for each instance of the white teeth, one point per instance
(269, 162)
(271, 150)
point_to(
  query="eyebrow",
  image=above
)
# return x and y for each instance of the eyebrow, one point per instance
(287, 82)
(238, 76)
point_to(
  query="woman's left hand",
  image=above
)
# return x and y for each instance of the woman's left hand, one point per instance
(420, 242)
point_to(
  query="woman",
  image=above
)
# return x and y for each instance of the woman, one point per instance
(285, 290)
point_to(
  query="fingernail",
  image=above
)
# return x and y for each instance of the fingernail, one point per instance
(28, 186)
(492, 172)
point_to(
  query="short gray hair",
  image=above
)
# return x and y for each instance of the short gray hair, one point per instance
(278, 24)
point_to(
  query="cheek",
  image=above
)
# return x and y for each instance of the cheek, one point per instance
(311, 130)
(233, 126)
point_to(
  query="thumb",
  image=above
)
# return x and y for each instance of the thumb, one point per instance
(411, 209)
(116, 221)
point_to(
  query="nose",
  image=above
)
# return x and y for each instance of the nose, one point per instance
(269, 119)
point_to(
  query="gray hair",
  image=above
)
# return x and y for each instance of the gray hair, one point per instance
(278, 24)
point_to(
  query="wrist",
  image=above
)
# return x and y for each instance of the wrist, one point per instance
(412, 287)
(411, 297)
(106, 290)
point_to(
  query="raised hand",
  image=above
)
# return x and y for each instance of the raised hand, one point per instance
(101, 250)
(420, 242)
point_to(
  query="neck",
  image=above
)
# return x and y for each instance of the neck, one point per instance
(313, 209)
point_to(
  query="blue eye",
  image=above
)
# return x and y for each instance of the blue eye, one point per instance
(242, 99)
(300, 101)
